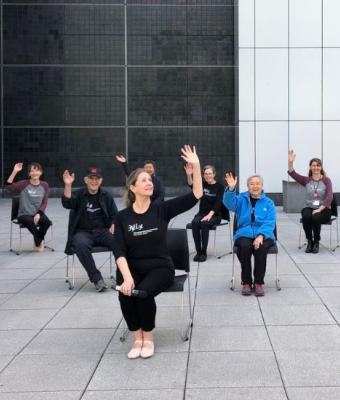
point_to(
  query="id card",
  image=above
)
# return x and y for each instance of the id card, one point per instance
(316, 203)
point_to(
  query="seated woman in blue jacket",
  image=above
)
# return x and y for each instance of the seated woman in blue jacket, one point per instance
(255, 214)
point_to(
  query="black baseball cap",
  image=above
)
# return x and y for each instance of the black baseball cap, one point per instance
(94, 171)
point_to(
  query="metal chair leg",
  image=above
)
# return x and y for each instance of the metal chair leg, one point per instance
(51, 240)
(67, 278)
(10, 237)
(185, 332)
(337, 235)
(20, 243)
(300, 247)
(277, 281)
(215, 242)
(232, 281)
(111, 272)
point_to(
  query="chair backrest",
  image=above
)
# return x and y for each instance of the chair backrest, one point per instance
(235, 227)
(334, 207)
(225, 213)
(177, 243)
(15, 207)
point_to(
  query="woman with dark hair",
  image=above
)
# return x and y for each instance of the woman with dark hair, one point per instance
(319, 196)
(209, 213)
(141, 250)
(33, 201)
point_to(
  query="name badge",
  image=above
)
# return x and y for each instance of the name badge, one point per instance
(316, 203)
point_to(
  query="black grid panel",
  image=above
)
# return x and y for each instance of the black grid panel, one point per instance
(166, 35)
(63, 35)
(63, 96)
(214, 145)
(181, 96)
(66, 102)
(58, 149)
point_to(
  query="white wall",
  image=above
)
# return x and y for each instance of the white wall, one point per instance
(289, 87)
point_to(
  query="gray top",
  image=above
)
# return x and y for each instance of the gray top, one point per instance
(315, 193)
(30, 200)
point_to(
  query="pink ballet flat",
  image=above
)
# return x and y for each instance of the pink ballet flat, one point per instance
(136, 350)
(148, 349)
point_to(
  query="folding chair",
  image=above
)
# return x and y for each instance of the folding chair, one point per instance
(334, 217)
(70, 252)
(225, 221)
(273, 249)
(14, 221)
(179, 251)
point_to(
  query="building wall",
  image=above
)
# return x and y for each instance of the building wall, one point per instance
(86, 79)
(289, 57)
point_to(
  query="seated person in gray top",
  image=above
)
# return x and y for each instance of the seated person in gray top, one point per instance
(93, 221)
(319, 196)
(33, 201)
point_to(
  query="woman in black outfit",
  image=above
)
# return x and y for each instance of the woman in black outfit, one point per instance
(141, 251)
(209, 213)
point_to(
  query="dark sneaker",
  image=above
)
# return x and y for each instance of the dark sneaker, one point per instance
(100, 285)
(246, 290)
(203, 257)
(197, 257)
(309, 248)
(315, 248)
(259, 291)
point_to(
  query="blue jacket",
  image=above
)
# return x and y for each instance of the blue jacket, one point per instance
(265, 215)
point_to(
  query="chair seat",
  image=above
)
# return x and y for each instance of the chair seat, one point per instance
(95, 249)
(211, 228)
(273, 249)
(178, 285)
(333, 218)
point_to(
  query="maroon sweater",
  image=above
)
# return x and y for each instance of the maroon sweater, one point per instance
(17, 187)
(304, 180)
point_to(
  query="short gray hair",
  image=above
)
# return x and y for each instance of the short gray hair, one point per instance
(254, 176)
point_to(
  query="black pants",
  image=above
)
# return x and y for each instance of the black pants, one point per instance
(141, 313)
(38, 231)
(312, 222)
(84, 241)
(245, 250)
(200, 231)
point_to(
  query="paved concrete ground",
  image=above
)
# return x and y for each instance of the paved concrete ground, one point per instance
(61, 344)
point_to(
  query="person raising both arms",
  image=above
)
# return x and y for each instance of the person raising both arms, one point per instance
(141, 252)
(33, 201)
(318, 199)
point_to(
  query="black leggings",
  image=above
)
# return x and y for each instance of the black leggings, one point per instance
(38, 231)
(200, 231)
(312, 222)
(141, 313)
(245, 250)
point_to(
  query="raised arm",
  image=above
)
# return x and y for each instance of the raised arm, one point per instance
(291, 159)
(68, 181)
(189, 155)
(17, 168)
(188, 171)
(122, 161)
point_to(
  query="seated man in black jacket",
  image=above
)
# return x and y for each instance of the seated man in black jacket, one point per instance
(93, 222)
(149, 167)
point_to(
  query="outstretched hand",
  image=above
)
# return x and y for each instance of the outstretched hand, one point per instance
(231, 181)
(120, 158)
(189, 155)
(189, 170)
(68, 178)
(291, 156)
(18, 167)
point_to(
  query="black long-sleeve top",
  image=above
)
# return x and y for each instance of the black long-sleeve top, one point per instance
(141, 238)
(158, 188)
(212, 198)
